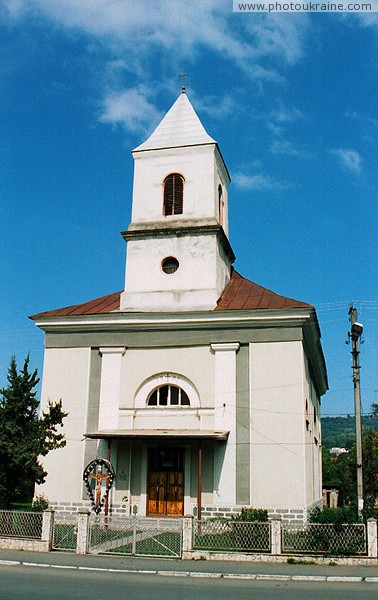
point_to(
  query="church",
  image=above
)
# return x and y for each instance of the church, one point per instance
(199, 386)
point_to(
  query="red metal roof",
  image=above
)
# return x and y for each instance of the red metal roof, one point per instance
(242, 294)
(239, 294)
(105, 304)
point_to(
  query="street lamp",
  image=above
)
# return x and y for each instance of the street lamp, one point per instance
(357, 330)
(355, 334)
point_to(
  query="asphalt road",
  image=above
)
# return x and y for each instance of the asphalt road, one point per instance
(20, 582)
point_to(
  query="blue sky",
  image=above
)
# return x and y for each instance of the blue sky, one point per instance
(291, 100)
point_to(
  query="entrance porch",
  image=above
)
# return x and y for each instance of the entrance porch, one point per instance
(163, 473)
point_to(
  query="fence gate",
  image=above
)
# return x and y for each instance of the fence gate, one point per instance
(138, 536)
(65, 531)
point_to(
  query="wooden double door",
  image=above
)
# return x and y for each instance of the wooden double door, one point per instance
(165, 481)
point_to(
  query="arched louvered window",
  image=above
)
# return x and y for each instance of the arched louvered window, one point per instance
(173, 195)
(168, 395)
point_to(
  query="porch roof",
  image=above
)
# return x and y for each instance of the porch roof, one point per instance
(158, 433)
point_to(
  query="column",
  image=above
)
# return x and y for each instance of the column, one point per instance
(275, 534)
(187, 533)
(48, 527)
(82, 543)
(110, 387)
(372, 538)
(225, 420)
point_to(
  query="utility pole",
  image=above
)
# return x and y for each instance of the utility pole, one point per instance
(355, 333)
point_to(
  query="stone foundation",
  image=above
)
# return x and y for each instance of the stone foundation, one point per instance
(288, 515)
(19, 544)
(209, 511)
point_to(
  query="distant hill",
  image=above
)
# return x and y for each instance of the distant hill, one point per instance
(340, 431)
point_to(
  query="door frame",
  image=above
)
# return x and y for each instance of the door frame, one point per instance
(160, 475)
(144, 473)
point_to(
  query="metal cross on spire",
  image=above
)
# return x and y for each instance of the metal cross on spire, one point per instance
(183, 75)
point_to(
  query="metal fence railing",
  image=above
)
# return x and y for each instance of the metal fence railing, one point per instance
(222, 535)
(21, 524)
(141, 536)
(65, 531)
(340, 539)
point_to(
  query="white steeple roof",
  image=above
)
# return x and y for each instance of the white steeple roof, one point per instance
(180, 127)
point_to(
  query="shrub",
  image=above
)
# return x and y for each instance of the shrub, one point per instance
(252, 514)
(40, 503)
(335, 516)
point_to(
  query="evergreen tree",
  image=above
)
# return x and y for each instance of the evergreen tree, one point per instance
(23, 436)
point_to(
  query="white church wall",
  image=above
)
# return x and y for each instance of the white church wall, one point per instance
(312, 441)
(147, 287)
(277, 452)
(196, 164)
(66, 377)
(222, 178)
(195, 363)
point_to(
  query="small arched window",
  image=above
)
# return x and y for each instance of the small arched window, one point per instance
(173, 195)
(220, 204)
(168, 395)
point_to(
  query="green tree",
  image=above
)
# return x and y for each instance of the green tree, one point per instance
(23, 436)
(338, 475)
(341, 473)
(370, 469)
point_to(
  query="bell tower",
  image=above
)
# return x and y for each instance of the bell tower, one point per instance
(178, 254)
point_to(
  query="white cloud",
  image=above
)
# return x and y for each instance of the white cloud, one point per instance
(362, 118)
(284, 147)
(287, 114)
(14, 7)
(278, 35)
(132, 109)
(367, 19)
(215, 106)
(349, 159)
(276, 129)
(126, 34)
(141, 26)
(257, 182)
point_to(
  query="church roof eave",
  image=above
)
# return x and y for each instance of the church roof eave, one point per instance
(240, 295)
(243, 294)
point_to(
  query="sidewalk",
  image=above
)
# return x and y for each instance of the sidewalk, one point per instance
(193, 568)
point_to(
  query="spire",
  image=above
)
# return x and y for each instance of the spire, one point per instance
(180, 127)
(183, 75)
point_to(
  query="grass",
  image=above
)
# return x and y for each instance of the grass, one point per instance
(298, 561)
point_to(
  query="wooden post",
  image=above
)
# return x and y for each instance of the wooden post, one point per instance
(107, 481)
(199, 491)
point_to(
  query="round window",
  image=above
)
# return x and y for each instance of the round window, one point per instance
(170, 265)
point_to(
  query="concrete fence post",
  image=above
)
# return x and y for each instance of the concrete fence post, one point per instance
(275, 534)
(187, 533)
(372, 538)
(48, 527)
(82, 544)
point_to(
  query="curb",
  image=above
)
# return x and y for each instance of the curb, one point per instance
(200, 574)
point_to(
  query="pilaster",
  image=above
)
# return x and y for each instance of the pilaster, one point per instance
(225, 420)
(110, 387)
